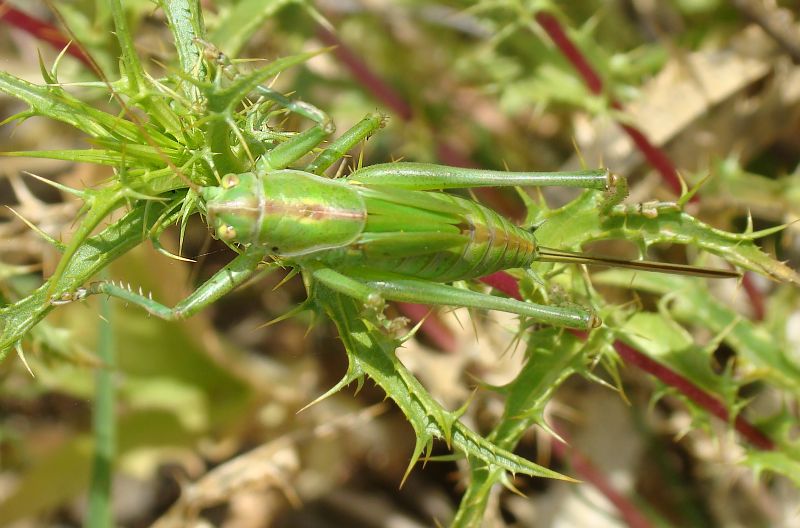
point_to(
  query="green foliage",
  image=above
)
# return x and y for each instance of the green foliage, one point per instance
(371, 353)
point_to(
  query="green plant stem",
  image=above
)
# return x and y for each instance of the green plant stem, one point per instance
(100, 506)
(186, 23)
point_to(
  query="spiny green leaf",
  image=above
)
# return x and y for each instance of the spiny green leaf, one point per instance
(130, 59)
(137, 156)
(553, 356)
(777, 462)
(228, 98)
(53, 102)
(681, 228)
(577, 223)
(186, 24)
(100, 204)
(89, 258)
(665, 340)
(692, 303)
(373, 353)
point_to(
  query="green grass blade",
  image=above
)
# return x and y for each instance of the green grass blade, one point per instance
(100, 505)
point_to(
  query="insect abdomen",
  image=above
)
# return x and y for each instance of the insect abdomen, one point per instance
(458, 239)
(491, 243)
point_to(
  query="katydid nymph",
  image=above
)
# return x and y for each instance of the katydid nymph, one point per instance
(385, 232)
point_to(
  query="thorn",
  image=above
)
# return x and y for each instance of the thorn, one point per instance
(344, 382)
(411, 333)
(509, 485)
(169, 254)
(294, 311)
(23, 192)
(287, 278)
(552, 432)
(61, 54)
(361, 157)
(578, 152)
(310, 327)
(688, 195)
(682, 182)
(46, 75)
(418, 447)
(58, 245)
(75, 192)
(21, 355)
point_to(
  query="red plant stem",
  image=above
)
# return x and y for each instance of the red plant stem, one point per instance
(505, 283)
(755, 296)
(42, 31)
(694, 393)
(364, 75)
(433, 327)
(553, 28)
(657, 158)
(586, 470)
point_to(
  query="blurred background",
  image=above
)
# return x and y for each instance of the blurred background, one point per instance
(708, 91)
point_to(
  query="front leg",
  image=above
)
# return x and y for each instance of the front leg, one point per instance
(225, 280)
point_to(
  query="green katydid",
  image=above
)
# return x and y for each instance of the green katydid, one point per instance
(384, 232)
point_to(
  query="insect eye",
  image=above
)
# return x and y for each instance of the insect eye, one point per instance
(226, 232)
(230, 180)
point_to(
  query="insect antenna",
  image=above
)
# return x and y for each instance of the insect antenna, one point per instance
(560, 255)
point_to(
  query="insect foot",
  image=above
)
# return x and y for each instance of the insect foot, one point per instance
(616, 191)
(396, 327)
(649, 209)
(67, 297)
(375, 302)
